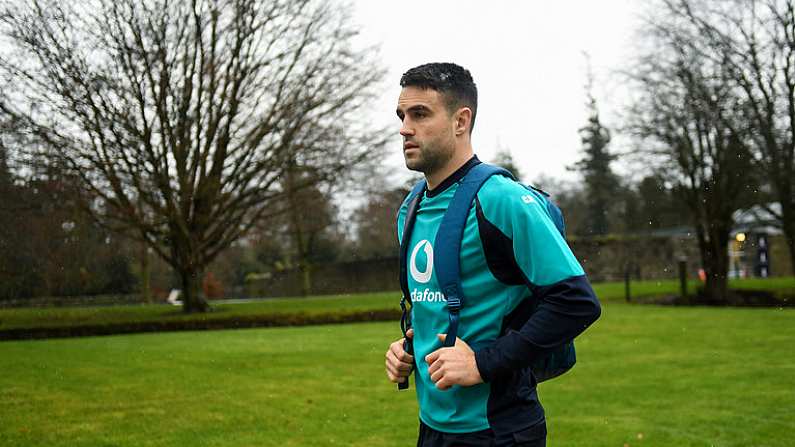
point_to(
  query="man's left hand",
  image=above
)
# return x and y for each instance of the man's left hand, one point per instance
(453, 366)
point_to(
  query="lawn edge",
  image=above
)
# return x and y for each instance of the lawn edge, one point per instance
(239, 322)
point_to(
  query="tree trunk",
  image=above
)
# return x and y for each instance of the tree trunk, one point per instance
(716, 266)
(788, 226)
(306, 277)
(713, 245)
(146, 292)
(192, 296)
(790, 239)
(299, 239)
(716, 288)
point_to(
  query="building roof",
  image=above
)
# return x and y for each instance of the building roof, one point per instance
(758, 219)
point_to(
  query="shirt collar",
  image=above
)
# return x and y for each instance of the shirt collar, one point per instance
(454, 177)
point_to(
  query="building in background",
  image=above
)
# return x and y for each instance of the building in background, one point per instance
(755, 231)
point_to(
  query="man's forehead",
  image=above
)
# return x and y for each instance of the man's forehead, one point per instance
(412, 95)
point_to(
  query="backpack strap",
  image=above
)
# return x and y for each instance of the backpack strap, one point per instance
(414, 198)
(447, 244)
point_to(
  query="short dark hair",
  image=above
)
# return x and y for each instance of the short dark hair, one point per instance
(452, 81)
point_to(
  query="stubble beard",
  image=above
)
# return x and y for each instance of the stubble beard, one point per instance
(433, 156)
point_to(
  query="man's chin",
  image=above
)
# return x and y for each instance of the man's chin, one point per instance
(414, 164)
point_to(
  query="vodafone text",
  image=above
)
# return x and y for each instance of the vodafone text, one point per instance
(428, 295)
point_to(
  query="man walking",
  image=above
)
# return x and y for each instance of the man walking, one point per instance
(526, 294)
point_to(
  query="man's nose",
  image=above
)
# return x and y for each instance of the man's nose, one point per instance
(405, 129)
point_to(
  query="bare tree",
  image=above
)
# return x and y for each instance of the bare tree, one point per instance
(690, 116)
(376, 232)
(310, 217)
(182, 116)
(755, 40)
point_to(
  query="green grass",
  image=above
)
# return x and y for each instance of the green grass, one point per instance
(614, 291)
(78, 316)
(674, 376)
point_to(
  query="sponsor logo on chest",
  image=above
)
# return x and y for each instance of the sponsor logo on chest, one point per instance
(423, 272)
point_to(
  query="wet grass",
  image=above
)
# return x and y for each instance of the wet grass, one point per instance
(646, 376)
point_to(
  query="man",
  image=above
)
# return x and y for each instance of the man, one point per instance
(525, 292)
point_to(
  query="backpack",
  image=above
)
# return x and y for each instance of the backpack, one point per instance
(447, 268)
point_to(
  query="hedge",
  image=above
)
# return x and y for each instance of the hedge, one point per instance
(239, 322)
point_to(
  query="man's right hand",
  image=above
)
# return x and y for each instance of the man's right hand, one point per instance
(398, 362)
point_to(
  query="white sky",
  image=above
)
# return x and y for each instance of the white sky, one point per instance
(526, 58)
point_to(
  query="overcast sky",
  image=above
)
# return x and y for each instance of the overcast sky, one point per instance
(526, 58)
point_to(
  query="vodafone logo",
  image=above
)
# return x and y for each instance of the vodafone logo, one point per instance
(424, 276)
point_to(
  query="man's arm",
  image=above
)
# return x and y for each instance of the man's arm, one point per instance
(564, 311)
(565, 302)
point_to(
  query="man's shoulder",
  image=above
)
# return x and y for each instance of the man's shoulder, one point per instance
(502, 199)
(498, 185)
(501, 191)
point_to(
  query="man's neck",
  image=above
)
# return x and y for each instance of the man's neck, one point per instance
(462, 155)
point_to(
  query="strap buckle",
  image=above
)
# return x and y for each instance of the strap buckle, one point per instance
(453, 299)
(408, 346)
(405, 317)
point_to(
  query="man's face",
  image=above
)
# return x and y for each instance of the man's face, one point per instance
(428, 129)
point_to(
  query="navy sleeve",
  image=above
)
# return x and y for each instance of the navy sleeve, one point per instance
(565, 309)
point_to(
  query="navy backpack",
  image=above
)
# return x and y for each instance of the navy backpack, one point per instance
(447, 268)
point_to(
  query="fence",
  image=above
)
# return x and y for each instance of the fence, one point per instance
(604, 259)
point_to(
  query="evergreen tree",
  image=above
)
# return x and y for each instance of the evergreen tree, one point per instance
(504, 159)
(601, 183)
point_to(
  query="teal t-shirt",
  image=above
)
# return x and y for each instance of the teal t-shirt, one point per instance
(540, 252)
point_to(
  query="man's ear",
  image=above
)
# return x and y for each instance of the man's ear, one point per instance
(463, 120)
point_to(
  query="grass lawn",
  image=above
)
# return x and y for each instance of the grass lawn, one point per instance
(79, 316)
(647, 376)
